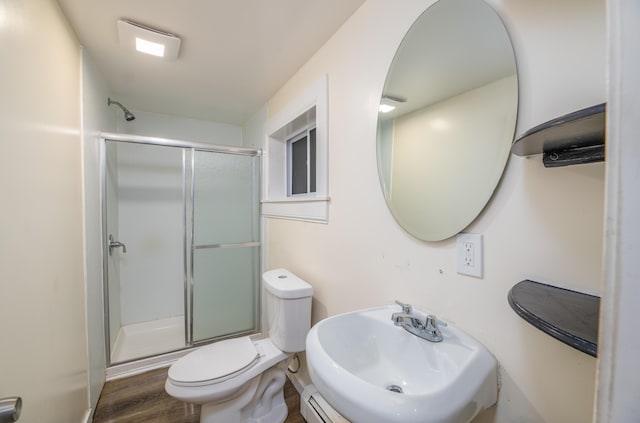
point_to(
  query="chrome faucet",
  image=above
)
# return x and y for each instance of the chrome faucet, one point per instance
(426, 329)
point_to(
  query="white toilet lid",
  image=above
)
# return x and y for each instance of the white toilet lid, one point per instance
(214, 363)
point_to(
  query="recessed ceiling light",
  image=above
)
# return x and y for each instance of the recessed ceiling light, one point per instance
(154, 49)
(148, 40)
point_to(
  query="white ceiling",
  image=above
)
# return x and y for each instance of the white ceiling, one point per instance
(234, 56)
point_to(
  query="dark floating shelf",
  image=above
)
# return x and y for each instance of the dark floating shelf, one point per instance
(569, 316)
(574, 138)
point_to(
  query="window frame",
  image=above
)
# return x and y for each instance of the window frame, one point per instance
(310, 166)
(308, 109)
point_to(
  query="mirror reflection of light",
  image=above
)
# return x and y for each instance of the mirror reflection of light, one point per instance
(440, 125)
(386, 108)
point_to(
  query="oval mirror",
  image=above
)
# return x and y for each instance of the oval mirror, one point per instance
(447, 118)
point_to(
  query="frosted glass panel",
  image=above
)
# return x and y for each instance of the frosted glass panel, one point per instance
(225, 291)
(225, 198)
(225, 286)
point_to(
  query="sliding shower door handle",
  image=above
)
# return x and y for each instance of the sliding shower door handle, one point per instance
(115, 244)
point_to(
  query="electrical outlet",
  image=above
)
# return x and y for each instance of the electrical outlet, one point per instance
(469, 253)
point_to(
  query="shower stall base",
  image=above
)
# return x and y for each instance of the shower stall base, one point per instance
(148, 338)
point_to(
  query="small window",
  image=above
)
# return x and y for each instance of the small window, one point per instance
(301, 163)
(295, 161)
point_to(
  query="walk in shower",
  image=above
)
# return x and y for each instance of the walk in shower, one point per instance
(182, 250)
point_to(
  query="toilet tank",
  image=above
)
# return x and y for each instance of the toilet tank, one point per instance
(288, 302)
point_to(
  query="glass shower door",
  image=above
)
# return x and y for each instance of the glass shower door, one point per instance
(225, 248)
(144, 251)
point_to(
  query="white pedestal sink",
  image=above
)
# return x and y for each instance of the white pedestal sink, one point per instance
(370, 370)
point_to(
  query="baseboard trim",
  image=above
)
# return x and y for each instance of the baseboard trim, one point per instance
(133, 368)
(87, 416)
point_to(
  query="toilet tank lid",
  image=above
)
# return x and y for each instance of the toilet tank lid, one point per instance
(284, 284)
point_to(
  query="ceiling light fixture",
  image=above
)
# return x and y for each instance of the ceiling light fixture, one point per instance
(386, 108)
(148, 40)
(385, 103)
(149, 47)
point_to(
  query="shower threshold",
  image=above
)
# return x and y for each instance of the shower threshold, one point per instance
(145, 339)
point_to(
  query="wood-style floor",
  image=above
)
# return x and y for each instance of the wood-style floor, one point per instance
(142, 399)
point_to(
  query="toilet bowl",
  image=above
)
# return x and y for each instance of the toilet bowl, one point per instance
(241, 380)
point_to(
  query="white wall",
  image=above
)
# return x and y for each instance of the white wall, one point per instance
(618, 387)
(542, 224)
(44, 346)
(95, 118)
(254, 130)
(179, 128)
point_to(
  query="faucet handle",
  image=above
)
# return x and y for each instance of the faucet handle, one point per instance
(431, 328)
(406, 308)
(434, 322)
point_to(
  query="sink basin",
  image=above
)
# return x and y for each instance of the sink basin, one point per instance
(370, 370)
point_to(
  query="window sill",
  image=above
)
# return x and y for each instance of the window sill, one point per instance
(307, 209)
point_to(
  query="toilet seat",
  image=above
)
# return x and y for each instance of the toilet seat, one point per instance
(226, 388)
(214, 363)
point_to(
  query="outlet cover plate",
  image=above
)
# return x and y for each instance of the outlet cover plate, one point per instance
(469, 254)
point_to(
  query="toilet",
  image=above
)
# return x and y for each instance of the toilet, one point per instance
(242, 379)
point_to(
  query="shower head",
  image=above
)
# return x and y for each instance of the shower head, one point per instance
(127, 114)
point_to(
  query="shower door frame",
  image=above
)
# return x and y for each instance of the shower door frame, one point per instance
(188, 155)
